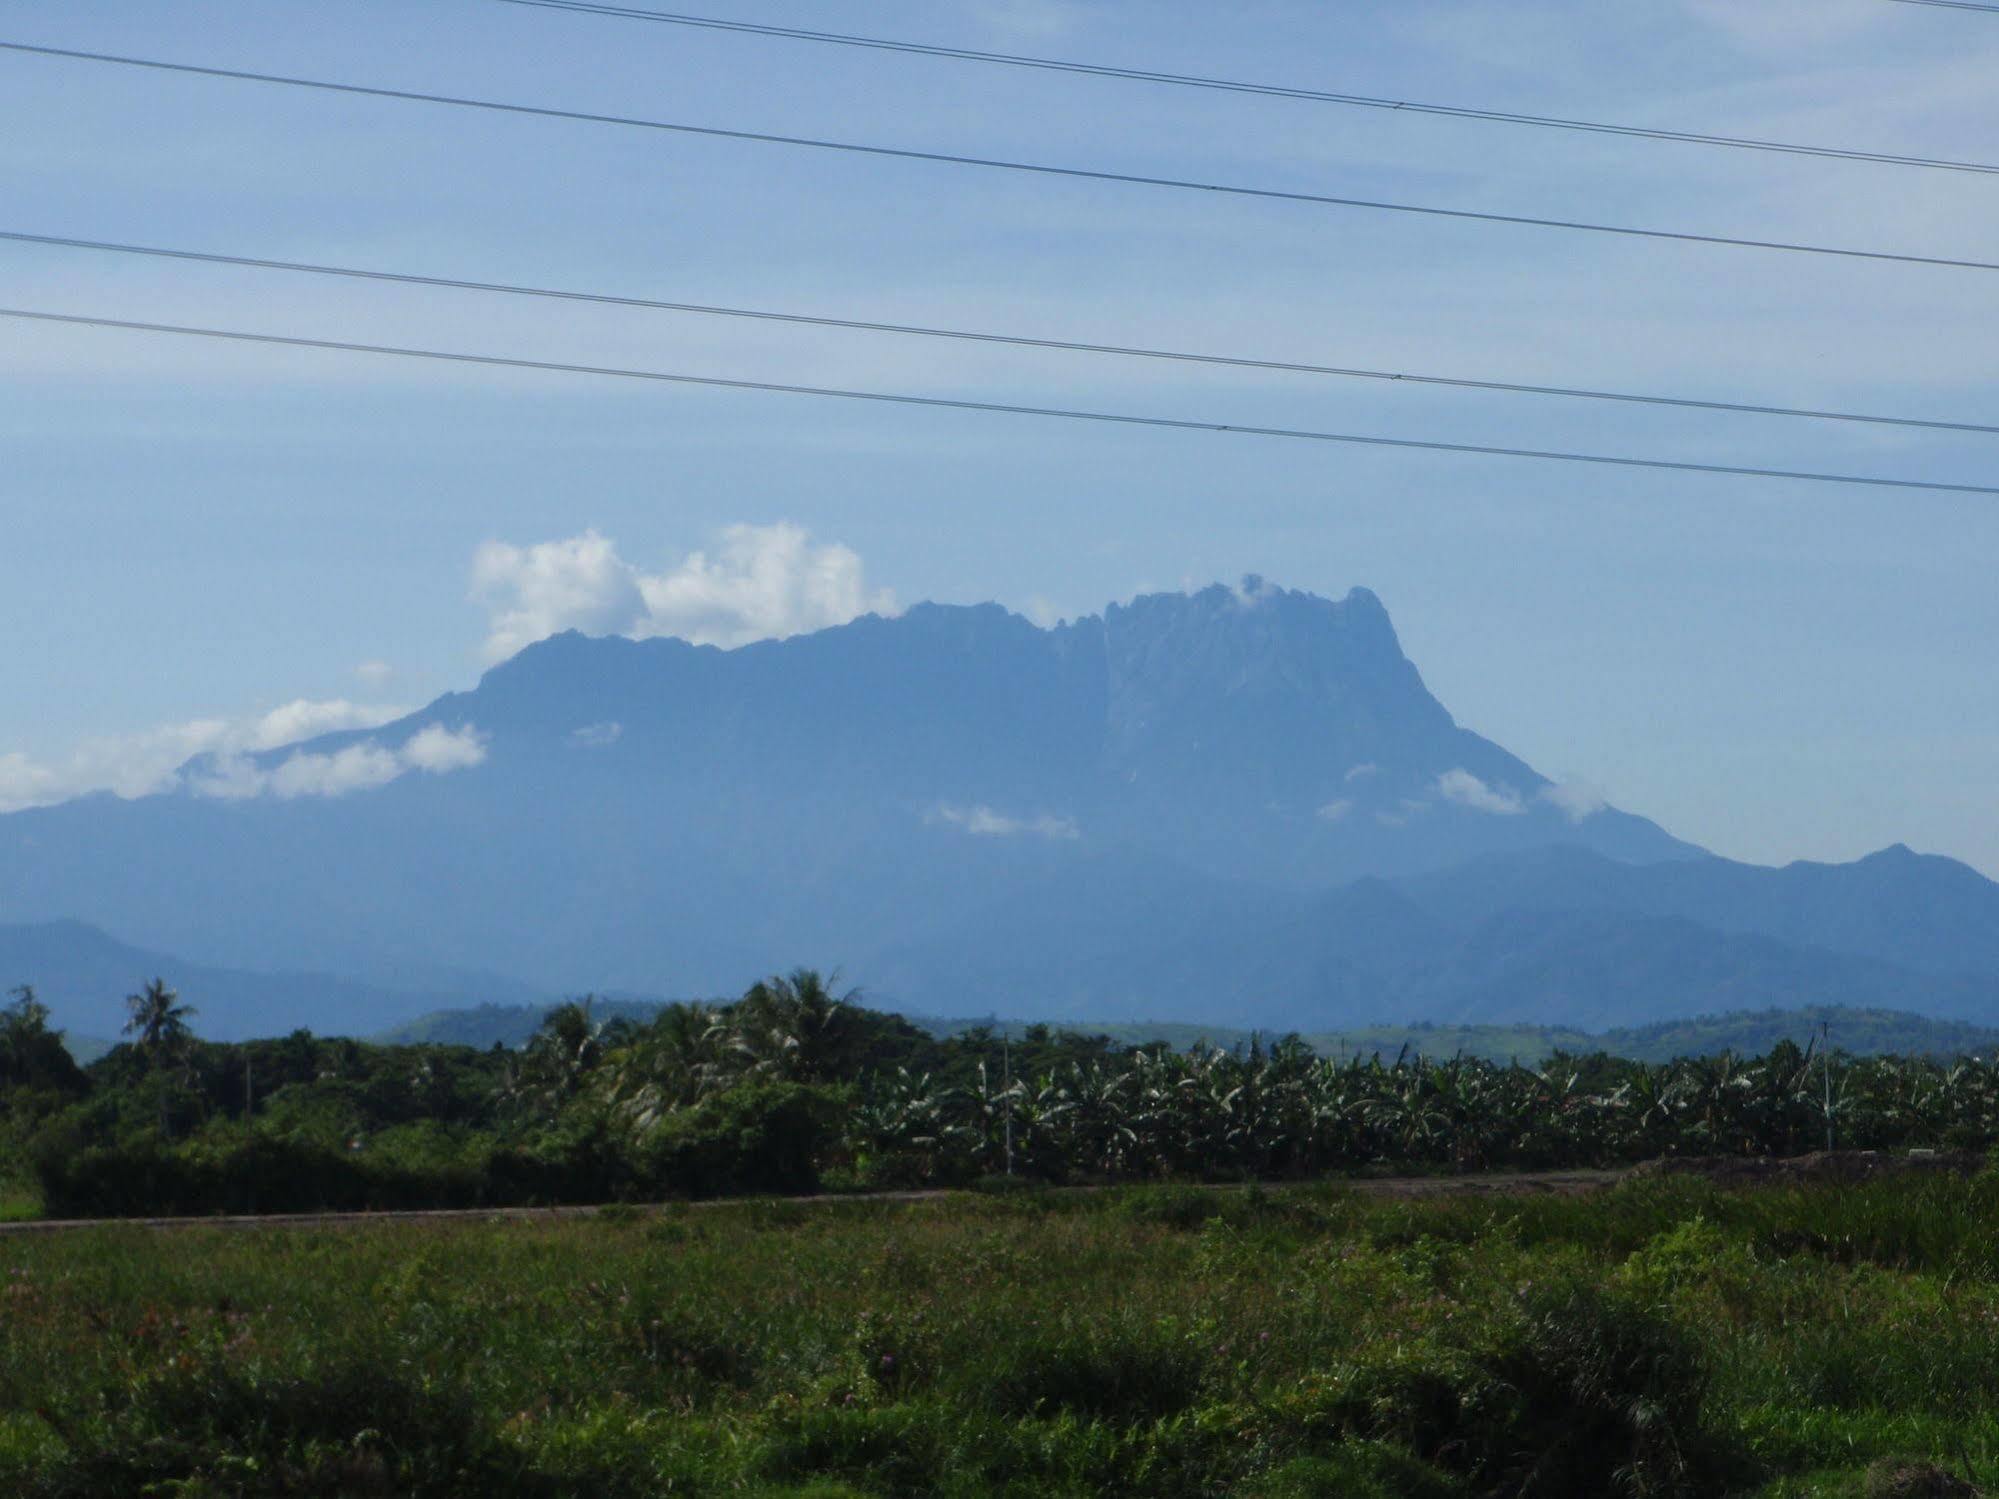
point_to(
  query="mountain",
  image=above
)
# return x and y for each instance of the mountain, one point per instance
(83, 975)
(1240, 803)
(1918, 911)
(656, 816)
(1599, 970)
(1377, 952)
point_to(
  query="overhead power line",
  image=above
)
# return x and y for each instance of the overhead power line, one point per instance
(1279, 366)
(1951, 4)
(1268, 90)
(1126, 419)
(1044, 169)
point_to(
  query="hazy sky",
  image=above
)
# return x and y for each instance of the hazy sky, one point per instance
(196, 535)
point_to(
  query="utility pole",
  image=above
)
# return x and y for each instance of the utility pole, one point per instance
(249, 1105)
(1006, 1062)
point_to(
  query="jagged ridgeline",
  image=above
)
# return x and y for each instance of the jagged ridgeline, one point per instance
(1238, 807)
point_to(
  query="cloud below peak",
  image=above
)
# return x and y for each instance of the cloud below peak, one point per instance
(433, 749)
(1464, 789)
(150, 761)
(1575, 800)
(758, 583)
(983, 822)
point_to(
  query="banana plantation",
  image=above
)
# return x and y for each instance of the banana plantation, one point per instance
(988, 1107)
(796, 1088)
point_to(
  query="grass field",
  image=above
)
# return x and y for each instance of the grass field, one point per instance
(1668, 1337)
(19, 1201)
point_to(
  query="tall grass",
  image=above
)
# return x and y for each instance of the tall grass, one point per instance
(1666, 1338)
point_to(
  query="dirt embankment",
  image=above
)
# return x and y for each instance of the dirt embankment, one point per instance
(1837, 1166)
(1729, 1171)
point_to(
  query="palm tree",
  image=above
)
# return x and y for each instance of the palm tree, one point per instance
(671, 1064)
(793, 1028)
(553, 1067)
(159, 1020)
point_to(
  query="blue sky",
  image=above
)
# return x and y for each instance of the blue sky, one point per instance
(198, 535)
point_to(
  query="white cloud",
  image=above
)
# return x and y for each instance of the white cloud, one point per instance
(760, 583)
(303, 719)
(1335, 811)
(538, 591)
(1041, 612)
(359, 767)
(1575, 800)
(1783, 28)
(1039, 19)
(1362, 772)
(1467, 790)
(982, 821)
(433, 749)
(231, 777)
(597, 735)
(1255, 590)
(767, 582)
(149, 762)
(375, 674)
(437, 751)
(24, 783)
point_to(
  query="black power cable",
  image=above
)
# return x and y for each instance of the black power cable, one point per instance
(1268, 90)
(1043, 169)
(996, 407)
(1007, 339)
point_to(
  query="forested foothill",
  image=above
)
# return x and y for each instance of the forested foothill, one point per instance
(797, 1088)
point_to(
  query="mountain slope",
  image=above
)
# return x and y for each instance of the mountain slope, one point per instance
(1918, 911)
(83, 976)
(659, 817)
(1233, 806)
(1372, 953)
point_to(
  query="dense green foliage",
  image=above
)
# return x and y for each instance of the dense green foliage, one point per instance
(1860, 1032)
(794, 1088)
(1665, 1338)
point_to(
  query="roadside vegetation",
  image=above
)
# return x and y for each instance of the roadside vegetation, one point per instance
(795, 1088)
(1668, 1337)
(1671, 1336)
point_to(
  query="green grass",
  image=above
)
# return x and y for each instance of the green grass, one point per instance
(1666, 1338)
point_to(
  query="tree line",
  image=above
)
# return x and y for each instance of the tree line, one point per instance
(796, 1086)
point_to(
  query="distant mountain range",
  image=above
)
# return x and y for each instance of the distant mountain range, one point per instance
(83, 975)
(1238, 806)
(1556, 936)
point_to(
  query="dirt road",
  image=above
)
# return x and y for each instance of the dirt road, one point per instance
(1502, 1184)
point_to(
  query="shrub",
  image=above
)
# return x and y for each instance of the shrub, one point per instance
(1171, 1206)
(351, 1429)
(1893, 1478)
(1608, 1399)
(1119, 1374)
(1582, 1393)
(1357, 1470)
(1696, 1255)
(238, 1170)
(896, 1448)
(759, 1137)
